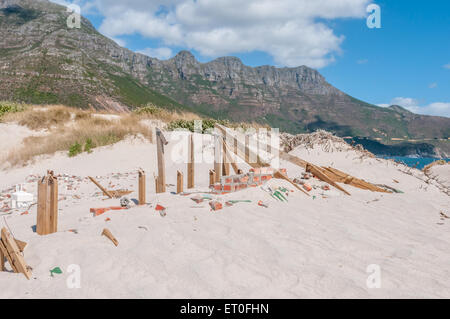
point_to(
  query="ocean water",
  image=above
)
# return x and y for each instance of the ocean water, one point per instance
(418, 162)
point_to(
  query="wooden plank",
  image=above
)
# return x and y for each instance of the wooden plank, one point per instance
(2, 257)
(179, 182)
(229, 158)
(316, 171)
(43, 210)
(106, 232)
(280, 175)
(104, 190)
(21, 244)
(160, 142)
(191, 163)
(53, 184)
(244, 152)
(5, 253)
(17, 260)
(345, 178)
(142, 187)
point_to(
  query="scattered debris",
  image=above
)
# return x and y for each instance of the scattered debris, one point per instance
(215, 205)
(55, 270)
(99, 211)
(262, 204)
(161, 210)
(106, 232)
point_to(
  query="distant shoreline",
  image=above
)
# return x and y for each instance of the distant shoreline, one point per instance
(414, 161)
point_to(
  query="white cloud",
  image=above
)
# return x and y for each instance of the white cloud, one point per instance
(362, 61)
(447, 66)
(413, 105)
(159, 53)
(433, 85)
(288, 30)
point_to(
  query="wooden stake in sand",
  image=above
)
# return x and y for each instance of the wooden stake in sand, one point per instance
(212, 177)
(190, 165)
(142, 188)
(179, 182)
(10, 250)
(161, 179)
(47, 206)
(106, 232)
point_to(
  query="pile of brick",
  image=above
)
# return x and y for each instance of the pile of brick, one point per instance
(254, 178)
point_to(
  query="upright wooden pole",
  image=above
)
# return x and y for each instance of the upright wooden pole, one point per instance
(179, 182)
(217, 158)
(47, 209)
(212, 177)
(142, 188)
(190, 165)
(161, 180)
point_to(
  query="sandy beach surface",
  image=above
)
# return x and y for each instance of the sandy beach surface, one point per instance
(320, 246)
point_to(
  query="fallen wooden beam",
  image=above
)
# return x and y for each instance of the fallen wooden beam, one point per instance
(104, 190)
(280, 175)
(341, 177)
(106, 232)
(319, 173)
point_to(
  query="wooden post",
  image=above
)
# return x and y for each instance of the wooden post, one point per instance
(179, 182)
(190, 165)
(217, 158)
(212, 177)
(161, 180)
(47, 209)
(142, 188)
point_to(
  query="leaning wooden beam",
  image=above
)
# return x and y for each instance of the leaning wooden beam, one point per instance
(190, 165)
(2, 257)
(260, 162)
(217, 158)
(229, 158)
(142, 187)
(15, 258)
(104, 190)
(342, 177)
(319, 173)
(106, 232)
(160, 142)
(47, 206)
(280, 175)
(179, 182)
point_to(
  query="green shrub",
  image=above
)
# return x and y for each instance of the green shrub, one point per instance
(10, 107)
(89, 145)
(75, 149)
(207, 124)
(149, 109)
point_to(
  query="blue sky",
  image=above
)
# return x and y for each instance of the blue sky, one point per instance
(406, 61)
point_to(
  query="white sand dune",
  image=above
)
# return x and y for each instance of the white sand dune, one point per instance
(318, 246)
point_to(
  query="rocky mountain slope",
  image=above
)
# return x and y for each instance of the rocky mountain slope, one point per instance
(43, 61)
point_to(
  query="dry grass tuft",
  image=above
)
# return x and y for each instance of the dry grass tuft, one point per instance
(99, 131)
